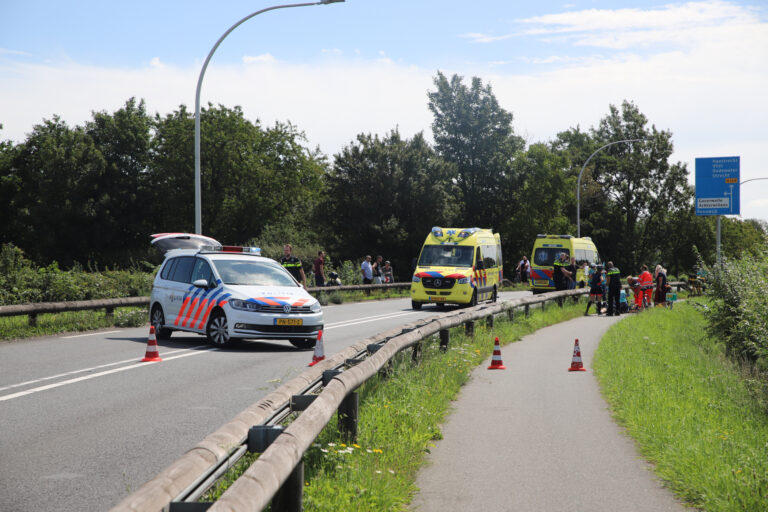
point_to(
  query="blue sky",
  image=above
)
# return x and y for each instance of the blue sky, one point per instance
(699, 69)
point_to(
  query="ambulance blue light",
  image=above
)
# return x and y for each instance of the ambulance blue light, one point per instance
(438, 232)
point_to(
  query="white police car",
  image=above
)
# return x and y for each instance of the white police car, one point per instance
(229, 293)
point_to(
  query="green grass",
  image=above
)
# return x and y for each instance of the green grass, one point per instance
(15, 327)
(399, 419)
(689, 409)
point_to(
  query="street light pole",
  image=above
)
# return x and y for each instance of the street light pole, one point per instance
(198, 199)
(578, 182)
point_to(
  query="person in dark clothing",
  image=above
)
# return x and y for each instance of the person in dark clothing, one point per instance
(595, 290)
(613, 275)
(293, 265)
(560, 272)
(660, 296)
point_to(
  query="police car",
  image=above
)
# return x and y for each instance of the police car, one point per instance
(229, 293)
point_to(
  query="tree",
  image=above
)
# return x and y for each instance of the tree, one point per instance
(383, 196)
(472, 131)
(642, 187)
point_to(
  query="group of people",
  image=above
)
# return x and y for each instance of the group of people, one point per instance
(294, 266)
(606, 289)
(378, 272)
(564, 274)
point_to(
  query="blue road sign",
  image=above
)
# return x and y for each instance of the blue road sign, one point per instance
(717, 186)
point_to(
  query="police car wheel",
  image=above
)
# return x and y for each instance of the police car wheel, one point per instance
(305, 344)
(158, 320)
(217, 330)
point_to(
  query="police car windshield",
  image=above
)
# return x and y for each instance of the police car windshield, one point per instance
(446, 256)
(252, 273)
(545, 256)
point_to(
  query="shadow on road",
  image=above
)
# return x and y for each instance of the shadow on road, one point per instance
(200, 343)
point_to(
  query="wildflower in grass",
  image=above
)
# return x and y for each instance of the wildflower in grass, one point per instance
(378, 472)
(343, 445)
(369, 451)
(392, 471)
(356, 445)
(331, 444)
(376, 450)
(323, 450)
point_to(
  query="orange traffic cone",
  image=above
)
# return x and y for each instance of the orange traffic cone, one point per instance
(319, 351)
(496, 363)
(152, 354)
(576, 364)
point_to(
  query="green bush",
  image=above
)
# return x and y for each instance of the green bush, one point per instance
(22, 282)
(739, 308)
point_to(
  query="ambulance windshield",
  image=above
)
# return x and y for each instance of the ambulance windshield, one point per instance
(446, 256)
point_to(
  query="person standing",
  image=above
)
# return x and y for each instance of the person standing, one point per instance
(646, 285)
(560, 273)
(388, 273)
(595, 290)
(367, 270)
(293, 265)
(319, 268)
(571, 276)
(376, 268)
(613, 274)
(661, 286)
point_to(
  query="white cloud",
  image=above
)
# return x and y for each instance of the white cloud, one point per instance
(485, 38)
(264, 57)
(155, 63)
(332, 51)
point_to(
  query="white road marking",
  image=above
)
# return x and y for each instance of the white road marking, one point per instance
(100, 374)
(89, 334)
(190, 352)
(365, 320)
(27, 383)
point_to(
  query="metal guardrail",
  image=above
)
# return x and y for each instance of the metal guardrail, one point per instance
(189, 477)
(34, 309)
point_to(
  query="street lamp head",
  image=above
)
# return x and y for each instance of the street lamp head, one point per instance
(330, 1)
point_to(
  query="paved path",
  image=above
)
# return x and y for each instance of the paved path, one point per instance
(536, 437)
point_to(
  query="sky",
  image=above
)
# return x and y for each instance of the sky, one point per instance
(698, 69)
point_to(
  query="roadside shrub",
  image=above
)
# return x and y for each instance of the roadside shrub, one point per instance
(739, 309)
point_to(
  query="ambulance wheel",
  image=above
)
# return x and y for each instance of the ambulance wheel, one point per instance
(305, 344)
(440, 306)
(495, 295)
(473, 300)
(217, 330)
(158, 321)
(416, 305)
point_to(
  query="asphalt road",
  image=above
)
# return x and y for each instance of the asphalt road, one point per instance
(83, 423)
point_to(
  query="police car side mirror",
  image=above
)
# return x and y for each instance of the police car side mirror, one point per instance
(200, 283)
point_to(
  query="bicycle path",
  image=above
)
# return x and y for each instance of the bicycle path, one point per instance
(536, 437)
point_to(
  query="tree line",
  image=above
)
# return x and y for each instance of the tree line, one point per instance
(93, 194)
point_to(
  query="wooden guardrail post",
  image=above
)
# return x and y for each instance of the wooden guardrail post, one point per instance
(469, 328)
(445, 336)
(560, 302)
(527, 310)
(109, 313)
(511, 314)
(32, 319)
(416, 354)
(489, 321)
(543, 305)
(290, 497)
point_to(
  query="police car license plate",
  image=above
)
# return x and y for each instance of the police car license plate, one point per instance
(288, 321)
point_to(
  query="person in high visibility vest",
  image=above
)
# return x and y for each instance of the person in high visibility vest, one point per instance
(613, 274)
(646, 284)
(293, 265)
(561, 273)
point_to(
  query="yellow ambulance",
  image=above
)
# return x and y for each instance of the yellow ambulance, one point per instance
(547, 247)
(457, 266)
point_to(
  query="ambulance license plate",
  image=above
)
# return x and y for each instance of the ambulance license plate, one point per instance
(437, 299)
(288, 321)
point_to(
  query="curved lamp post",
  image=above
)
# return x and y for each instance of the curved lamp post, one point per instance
(578, 182)
(753, 179)
(198, 220)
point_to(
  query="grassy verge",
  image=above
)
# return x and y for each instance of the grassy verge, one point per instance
(399, 418)
(689, 409)
(15, 327)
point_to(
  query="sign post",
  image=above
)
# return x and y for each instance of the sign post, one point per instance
(717, 189)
